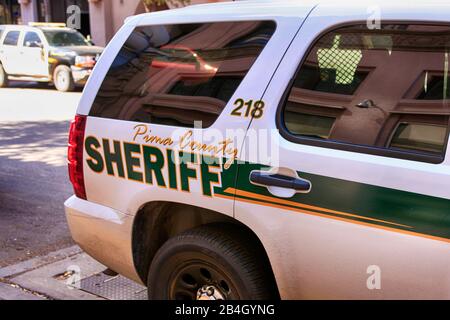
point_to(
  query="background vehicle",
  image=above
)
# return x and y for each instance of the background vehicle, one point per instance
(358, 115)
(46, 53)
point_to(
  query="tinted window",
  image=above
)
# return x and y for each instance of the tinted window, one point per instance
(31, 37)
(310, 125)
(65, 38)
(180, 74)
(384, 90)
(12, 38)
(419, 136)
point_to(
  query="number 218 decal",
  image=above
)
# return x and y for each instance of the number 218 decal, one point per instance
(249, 108)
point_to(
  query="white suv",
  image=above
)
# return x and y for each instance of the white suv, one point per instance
(257, 149)
(46, 52)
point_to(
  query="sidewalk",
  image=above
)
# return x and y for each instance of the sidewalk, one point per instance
(68, 274)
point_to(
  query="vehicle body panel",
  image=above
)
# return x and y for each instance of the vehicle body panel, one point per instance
(109, 192)
(9, 52)
(255, 82)
(411, 243)
(363, 210)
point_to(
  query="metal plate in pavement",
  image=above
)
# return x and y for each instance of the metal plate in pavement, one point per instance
(113, 288)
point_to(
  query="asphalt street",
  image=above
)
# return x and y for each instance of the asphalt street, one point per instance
(34, 124)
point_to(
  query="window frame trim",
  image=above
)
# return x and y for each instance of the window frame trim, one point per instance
(345, 146)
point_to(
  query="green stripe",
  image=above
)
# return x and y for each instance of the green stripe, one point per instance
(425, 214)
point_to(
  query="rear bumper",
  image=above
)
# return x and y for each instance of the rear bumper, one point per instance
(104, 233)
(81, 75)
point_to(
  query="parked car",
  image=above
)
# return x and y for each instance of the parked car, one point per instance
(46, 52)
(346, 197)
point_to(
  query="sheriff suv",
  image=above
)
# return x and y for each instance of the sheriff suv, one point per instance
(46, 52)
(265, 150)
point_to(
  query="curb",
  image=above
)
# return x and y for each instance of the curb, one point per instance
(9, 291)
(38, 262)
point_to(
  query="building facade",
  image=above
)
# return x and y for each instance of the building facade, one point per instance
(99, 19)
(10, 12)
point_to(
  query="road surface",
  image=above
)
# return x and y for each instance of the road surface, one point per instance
(34, 123)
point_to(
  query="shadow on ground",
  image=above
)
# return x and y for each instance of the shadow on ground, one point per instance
(33, 187)
(35, 85)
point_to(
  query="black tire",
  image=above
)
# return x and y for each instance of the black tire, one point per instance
(3, 77)
(63, 80)
(221, 257)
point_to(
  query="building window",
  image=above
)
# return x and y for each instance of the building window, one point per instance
(419, 137)
(310, 125)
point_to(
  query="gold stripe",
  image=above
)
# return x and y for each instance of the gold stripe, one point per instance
(371, 225)
(309, 207)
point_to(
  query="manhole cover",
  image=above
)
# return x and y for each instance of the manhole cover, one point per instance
(113, 288)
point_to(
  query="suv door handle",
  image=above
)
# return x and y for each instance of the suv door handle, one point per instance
(281, 181)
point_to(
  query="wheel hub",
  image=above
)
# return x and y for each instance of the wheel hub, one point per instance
(62, 78)
(209, 293)
(197, 280)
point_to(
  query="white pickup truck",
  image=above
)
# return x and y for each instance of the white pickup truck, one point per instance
(46, 52)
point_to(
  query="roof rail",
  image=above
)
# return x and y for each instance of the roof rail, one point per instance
(47, 24)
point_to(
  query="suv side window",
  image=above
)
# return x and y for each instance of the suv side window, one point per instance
(12, 38)
(384, 92)
(180, 75)
(31, 38)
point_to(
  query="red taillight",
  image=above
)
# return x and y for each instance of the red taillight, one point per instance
(75, 156)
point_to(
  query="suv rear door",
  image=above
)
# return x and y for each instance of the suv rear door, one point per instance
(35, 57)
(356, 204)
(151, 100)
(11, 52)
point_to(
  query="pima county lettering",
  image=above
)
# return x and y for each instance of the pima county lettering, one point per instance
(153, 166)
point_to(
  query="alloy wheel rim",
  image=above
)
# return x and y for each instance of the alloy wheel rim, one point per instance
(61, 78)
(201, 281)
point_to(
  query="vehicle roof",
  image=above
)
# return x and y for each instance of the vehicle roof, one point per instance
(55, 28)
(292, 4)
(291, 8)
(239, 8)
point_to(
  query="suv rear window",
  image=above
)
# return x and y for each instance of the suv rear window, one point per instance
(384, 92)
(180, 75)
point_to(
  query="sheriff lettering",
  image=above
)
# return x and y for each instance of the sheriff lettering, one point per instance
(161, 161)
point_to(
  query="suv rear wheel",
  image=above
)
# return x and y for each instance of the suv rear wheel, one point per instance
(212, 262)
(3, 77)
(63, 80)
